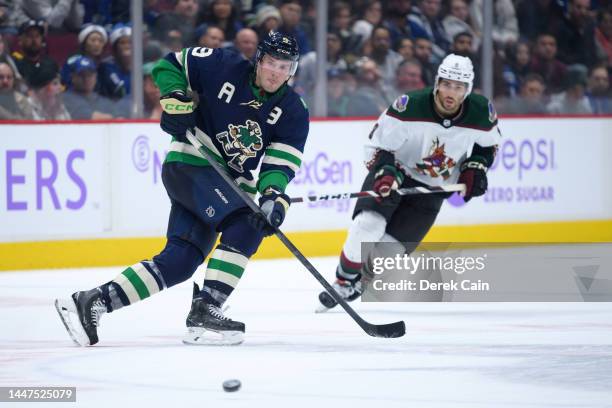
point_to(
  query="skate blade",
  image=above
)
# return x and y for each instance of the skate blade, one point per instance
(203, 337)
(67, 310)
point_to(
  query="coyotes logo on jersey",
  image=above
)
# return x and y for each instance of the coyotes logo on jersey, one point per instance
(437, 164)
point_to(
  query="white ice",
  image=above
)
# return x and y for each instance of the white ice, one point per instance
(453, 355)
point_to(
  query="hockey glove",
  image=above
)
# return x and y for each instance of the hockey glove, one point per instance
(177, 115)
(274, 205)
(474, 176)
(387, 179)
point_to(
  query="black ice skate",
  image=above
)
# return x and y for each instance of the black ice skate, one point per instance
(81, 315)
(348, 290)
(206, 324)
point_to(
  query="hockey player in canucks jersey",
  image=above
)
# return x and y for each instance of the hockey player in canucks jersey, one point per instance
(246, 115)
(435, 136)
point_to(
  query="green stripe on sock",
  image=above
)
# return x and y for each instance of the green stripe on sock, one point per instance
(139, 285)
(279, 154)
(226, 267)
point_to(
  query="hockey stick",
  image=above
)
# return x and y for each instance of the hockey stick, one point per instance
(451, 188)
(396, 329)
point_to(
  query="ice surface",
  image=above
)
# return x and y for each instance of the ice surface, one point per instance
(453, 355)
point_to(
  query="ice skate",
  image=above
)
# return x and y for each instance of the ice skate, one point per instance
(81, 315)
(348, 290)
(206, 325)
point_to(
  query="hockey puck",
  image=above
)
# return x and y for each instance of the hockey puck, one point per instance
(231, 385)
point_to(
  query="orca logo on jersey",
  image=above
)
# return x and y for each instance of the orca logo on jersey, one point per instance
(241, 143)
(437, 164)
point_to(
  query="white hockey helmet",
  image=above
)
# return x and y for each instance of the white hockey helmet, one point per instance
(456, 68)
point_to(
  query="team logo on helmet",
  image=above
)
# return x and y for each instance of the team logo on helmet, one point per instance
(401, 103)
(241, 143)
(437, 163)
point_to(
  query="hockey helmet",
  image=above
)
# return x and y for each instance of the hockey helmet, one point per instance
(456, 68)
(279, 46)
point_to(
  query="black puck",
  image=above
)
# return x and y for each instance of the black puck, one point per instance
(231, 385)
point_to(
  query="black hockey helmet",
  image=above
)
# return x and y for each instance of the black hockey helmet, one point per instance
(279, 46)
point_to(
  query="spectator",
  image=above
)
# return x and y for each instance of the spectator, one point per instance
(13, 104)
(341, 22)
(386, 59)
(291, 13)
(153, 50)
(529, 100)
(45, 95)
(372, 16)
(114, 72)
(573, 99)
(31, 42)
(6, 58)
(98, 12)
(225, 15)
(603, 36)
(425, 21)
(505, 24)
(368, 99)
(459, 21)
(109, 12)
(152, 107)
(92, 40)
(338, 93)
(599, 94)
(405, 48)
(576, 36)
(538, 16)
(246, 43)
(181, 21)
(57, 14)
(211, 37)
(307, 72)
(267, 19)
(396, 19)
(423, 53)
(82, 101)
(517, 66)
(545, 62)
(173, 40)
(409, 77)
(6, 17)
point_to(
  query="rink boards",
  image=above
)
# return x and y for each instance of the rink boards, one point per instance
(82, 194)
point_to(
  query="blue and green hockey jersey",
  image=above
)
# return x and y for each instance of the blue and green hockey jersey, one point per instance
(240, 124)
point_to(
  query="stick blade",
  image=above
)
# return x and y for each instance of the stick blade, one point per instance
(389, 330)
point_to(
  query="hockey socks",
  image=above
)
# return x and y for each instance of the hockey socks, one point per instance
(135, 283)
(347, 269)
(223, 272)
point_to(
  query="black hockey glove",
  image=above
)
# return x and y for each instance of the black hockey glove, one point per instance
(474, 176)
(274, 205)
(177, 115)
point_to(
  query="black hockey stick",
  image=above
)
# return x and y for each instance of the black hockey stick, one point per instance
(396, 329)
(451, 188)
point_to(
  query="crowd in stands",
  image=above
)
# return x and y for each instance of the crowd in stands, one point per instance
(72, 59)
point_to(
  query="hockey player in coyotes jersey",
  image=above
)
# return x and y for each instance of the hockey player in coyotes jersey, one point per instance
(245, 115)
(434, 137)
